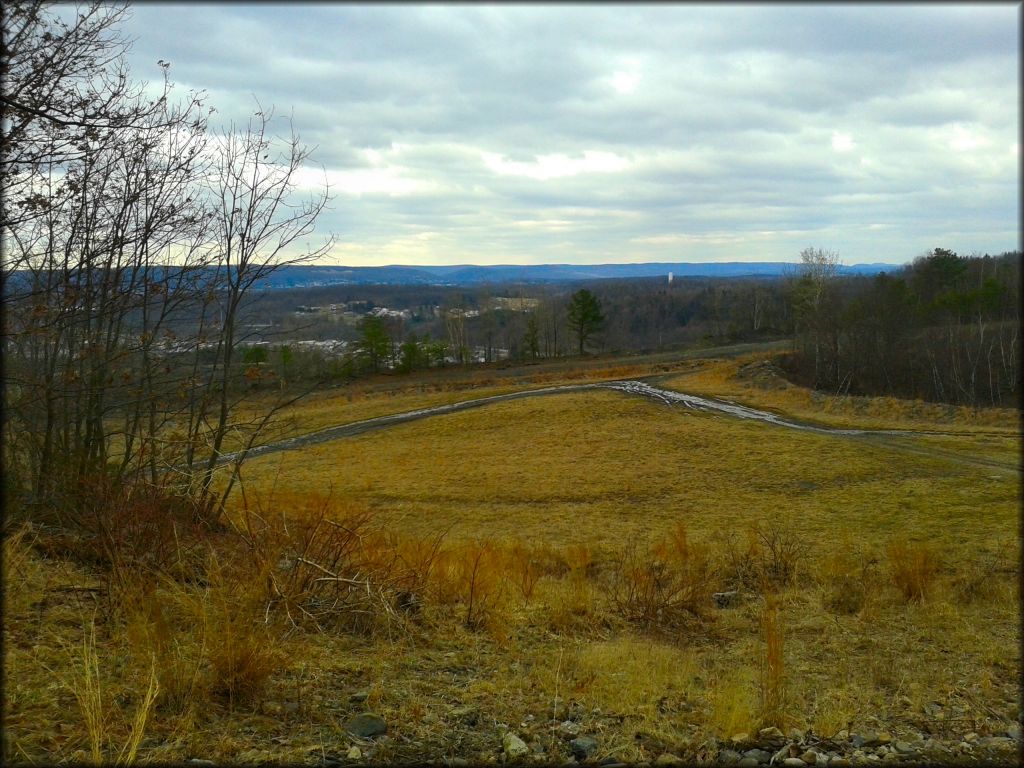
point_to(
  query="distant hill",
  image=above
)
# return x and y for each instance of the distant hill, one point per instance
(467, 274)
(304, 276)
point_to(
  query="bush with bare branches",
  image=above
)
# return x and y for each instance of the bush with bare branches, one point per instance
(666, 586)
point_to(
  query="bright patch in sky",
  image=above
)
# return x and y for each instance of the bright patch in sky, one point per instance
(964, 140)
(388, 181)
(842, 142)
(556, 166)
(625, 82)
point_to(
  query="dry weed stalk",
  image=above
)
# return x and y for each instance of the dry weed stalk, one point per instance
(913, 567)
(525, 569)
(88, 692)
(481, 583)
(772, 682)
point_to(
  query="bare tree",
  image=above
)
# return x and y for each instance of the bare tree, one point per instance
(97, 180)
(258, 216)
(131, 246)
(819, 267)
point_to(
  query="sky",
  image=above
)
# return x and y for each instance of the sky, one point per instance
(586, 134)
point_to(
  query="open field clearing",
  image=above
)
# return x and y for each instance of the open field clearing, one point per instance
(390, 395)
(631, 469)
(547, 568)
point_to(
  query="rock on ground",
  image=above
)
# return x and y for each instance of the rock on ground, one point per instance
(367, 725)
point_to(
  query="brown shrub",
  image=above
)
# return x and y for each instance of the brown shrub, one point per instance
(119, 525)
(324, 567)
(525, 569)
(772, 680)
(766, 561)
(663, 587)
(914, 567)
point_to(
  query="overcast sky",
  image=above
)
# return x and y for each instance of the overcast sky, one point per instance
(592, 134)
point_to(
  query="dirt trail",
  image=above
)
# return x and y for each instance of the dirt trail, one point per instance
(887, 438)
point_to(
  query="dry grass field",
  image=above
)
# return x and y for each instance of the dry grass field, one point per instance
(546, 567)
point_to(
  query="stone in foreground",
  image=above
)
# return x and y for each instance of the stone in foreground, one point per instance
(367, 726)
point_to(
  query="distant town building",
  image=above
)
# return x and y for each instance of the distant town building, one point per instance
(515, 304)
(385, 312)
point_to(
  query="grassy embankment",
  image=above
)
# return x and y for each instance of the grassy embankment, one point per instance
(894, 575)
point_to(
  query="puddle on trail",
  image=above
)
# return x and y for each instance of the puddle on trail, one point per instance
(740, 411)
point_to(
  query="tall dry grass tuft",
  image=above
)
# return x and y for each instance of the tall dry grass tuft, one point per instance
(732, 709)
(173, 637)
(849, 580)
(90, 697)
(772, 679)
(89, 694)
(913, 567)
(241, 651)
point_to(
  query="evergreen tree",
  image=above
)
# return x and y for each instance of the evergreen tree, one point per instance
(584, 316)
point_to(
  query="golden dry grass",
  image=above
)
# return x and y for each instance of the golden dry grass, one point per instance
(540, 496)
(718, 378)
(629, 468)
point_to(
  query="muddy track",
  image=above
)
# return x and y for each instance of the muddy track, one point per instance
(637, 387)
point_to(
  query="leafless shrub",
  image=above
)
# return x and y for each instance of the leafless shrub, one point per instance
(667, 586)
(767, 559)
(326, 569)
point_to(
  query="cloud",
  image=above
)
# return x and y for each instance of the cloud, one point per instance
(523, 133)
(842, 142)
(557, 165)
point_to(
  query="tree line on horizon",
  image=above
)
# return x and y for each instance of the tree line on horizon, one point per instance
(943, 328)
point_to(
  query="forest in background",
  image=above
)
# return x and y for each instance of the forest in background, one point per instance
(943, 328)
